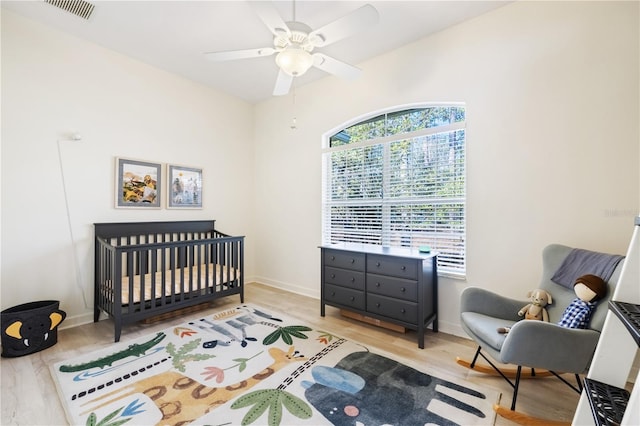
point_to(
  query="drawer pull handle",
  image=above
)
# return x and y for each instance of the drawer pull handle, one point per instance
(353, 279)
(333, 258)
(333, 293)
(352, 298)
(377, 305)
(378, 264)
(403, 267)
(333, 275)
(403, 289)
(377, 284)
(403, 310)
(353, 260)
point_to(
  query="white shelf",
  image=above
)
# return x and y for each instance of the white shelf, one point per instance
(604, 400)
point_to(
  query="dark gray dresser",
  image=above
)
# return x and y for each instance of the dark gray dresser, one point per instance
(397, 285)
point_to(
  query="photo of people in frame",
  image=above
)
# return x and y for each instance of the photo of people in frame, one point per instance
(185, 190)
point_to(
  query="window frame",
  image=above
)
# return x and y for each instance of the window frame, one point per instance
(458, 270)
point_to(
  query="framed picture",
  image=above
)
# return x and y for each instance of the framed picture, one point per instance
(184, 187)
(138, 184)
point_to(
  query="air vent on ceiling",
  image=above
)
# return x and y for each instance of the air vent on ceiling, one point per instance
(79, 8)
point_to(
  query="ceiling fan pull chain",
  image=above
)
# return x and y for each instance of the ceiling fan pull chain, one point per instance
(294, 123)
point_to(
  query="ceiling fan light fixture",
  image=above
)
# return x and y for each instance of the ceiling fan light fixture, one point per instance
(294, 60)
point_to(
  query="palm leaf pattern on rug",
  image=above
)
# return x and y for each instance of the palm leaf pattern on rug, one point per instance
(274, 400)
(286, 333)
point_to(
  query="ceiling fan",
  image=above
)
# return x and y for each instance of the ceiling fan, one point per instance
(294, 42)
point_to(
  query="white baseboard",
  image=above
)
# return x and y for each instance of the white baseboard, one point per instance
(84, 318)
(304, 291)
(452, 328)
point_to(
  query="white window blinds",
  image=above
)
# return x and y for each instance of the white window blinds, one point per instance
(399, 180)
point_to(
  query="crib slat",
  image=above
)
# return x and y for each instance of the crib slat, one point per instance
(129, 275)
(163, 275)
(172, 283)
(152, 271)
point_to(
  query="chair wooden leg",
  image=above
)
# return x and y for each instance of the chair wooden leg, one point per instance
(508, 372)
(524, 419)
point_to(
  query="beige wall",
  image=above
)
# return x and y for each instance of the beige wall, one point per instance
(552, 99)
(53, 84)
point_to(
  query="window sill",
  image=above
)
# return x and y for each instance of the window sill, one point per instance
(452, 275)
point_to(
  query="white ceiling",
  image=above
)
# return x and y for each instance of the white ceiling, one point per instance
(173, 35)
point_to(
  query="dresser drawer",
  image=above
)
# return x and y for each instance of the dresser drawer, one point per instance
(392, 287)
(393, 308)
(344, 296)
(344, 277)
(393, 266)
(344, 259)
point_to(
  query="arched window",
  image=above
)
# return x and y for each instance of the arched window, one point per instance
(398, 179)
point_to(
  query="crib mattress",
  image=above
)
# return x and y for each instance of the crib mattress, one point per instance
(211, 275)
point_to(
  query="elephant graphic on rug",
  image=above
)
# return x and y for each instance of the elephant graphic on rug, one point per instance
(369, 389)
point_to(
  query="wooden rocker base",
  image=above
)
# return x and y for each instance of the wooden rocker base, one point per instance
(525, 419)
(509, 372)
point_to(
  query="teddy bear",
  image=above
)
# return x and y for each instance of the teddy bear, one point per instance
(589, 289)
(536, 309)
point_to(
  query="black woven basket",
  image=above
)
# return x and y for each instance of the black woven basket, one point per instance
(30, 327)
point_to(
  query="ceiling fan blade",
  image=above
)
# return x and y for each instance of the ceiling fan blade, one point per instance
(271, 18)
(335, 67)
(350, 24)
(231, 55)
(283, 84)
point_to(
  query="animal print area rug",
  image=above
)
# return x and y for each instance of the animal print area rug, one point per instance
(252, 366)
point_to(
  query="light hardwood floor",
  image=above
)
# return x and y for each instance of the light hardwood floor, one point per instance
(29, 395)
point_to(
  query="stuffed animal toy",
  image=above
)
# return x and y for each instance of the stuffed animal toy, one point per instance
(535, 310)
(589, 289)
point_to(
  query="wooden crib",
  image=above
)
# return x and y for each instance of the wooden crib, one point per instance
(144, 269)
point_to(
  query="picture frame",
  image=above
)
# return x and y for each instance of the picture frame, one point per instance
(138, 184)
(184, 187)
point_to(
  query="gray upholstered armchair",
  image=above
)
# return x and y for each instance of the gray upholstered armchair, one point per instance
(570, 349)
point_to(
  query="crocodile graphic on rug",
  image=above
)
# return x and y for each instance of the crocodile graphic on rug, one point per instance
(136, 350)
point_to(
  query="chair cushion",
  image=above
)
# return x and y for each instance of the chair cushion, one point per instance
(485, 328)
